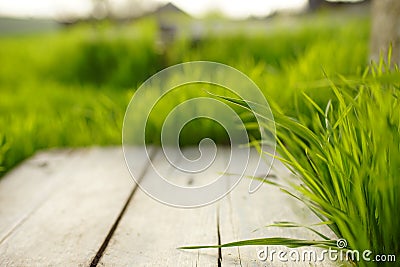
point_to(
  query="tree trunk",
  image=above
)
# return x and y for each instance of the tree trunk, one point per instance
(385, 30)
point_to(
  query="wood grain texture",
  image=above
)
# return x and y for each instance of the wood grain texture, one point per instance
(58, 208)
(30, 184)
(150, 232)
(70, 226)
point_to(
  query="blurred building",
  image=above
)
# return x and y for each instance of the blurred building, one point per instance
(314, 5)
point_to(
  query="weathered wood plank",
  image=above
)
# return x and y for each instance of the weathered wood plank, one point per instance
(62, 214)
(68, 228)
(243, 216)
(150, 232)
(28, 186)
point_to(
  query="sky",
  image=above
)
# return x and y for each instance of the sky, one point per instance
(233, 8)
(238, 8)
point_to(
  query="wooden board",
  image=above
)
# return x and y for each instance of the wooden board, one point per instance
(150, 232)
(29, 185)
(70, 225)
(82, 208)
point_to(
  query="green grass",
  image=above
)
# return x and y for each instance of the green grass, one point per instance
(71, 88)
(346, 155)
(51, 115)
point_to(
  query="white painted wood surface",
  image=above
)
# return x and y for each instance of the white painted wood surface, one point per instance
(68, 224)
(150, 232)
(80, 207)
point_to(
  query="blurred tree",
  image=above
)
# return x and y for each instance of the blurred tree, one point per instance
(385, 29)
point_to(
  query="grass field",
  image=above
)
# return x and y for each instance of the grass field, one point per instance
(71, 87)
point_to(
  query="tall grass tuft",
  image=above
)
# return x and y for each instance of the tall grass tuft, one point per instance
(346, 155)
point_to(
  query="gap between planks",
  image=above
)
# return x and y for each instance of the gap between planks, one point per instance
(104, 245)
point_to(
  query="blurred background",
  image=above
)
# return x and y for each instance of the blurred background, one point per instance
(68, 68)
